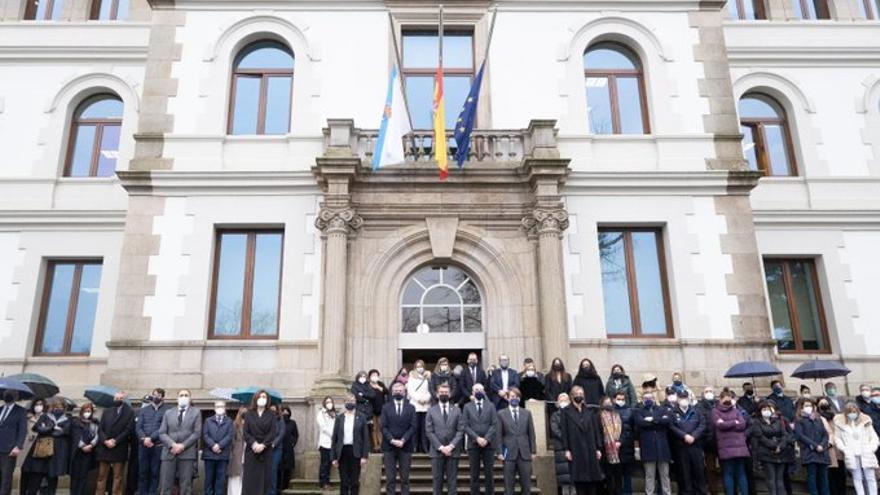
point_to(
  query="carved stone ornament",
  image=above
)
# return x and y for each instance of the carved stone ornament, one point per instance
(545, 221)
(343, 220)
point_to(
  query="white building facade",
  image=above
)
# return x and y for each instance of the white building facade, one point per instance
(187, 199)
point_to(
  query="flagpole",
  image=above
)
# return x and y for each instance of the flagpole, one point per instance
(400, 81)
(491, 31)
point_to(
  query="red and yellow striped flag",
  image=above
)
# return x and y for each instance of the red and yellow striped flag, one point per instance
(440, 147)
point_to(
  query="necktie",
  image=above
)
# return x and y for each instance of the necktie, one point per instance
(180, 416)
(445, 417)
(479, 408)
(515, 416)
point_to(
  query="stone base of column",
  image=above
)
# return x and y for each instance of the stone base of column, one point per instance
(336, 386)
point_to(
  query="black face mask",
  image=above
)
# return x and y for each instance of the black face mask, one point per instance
(578, 399)
(8, 397)
(117, 403)
(444, 398)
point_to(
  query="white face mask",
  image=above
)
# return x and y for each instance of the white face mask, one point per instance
(852, 416)
(220, 411)
(684, 404)
(328, 406)
(183, 401)
(38, 409)
(420, 370)
(563, 405)
(709, 396)
(807, 410)
(362, 379)
(767, 413)
(87, 415)
(261, 402)
(866, 394)
(530, 373)
(620, 403)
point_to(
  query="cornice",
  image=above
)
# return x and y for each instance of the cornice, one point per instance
(62, 220)
(773, 220)
(698, 183)
(213, 183)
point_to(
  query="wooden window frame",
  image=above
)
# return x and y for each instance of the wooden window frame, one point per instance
(872, 9)
(757, 126)
(248, 285)
(73, 302)
(792, 307)
(30, 11)
(76, 122)
(823, 12)
(264, 75)
(611, 75)
(95, 14)
(632, 283)
(432, 72)
(757, 7)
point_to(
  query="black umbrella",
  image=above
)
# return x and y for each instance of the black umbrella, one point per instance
(42, 386)
(24, 392)
(752, 369)
(818, 370)
(102, 395)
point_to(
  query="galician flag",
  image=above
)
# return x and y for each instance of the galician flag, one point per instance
(440, 146)
(394, 126)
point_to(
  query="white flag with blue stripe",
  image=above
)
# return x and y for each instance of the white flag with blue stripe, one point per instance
(395, 125)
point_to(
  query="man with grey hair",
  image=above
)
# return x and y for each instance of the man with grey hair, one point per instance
(480, 428)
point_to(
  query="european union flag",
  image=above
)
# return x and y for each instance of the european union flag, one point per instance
(467, 118)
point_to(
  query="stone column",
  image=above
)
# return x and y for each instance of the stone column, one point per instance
(545, 224)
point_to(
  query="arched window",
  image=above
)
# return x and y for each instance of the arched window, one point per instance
(94, 137)
(767, 143)
(810, 9)
(747, 10)
(441, 300)
(615, 90)
(262, 83)
(109, 10)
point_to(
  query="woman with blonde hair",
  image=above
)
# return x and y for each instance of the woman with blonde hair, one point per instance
(857, 440)
(418, 389)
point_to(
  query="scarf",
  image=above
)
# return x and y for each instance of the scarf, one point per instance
(611, 428)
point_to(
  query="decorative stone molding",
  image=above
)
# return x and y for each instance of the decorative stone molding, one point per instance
(338, 221)
(545, 221)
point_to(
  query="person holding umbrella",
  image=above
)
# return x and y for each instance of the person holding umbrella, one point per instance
(114, 437)
(13, 431)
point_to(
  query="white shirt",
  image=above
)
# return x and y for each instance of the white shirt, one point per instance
(504, 379)
(348, 430)
(398, 407)
(325, 429)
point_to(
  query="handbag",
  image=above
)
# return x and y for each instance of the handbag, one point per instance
(44, 447)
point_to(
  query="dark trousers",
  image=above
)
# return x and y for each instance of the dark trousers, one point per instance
(712, 471)
(734, 471)
(750, 476)
(786, 477)
(773, 472)
(349, 472)
(284, 478)
(397, 463)
(422, 444)
(691, 470)
(215, 477)
(583, 488)
(837, 479)
(445, 467)
(613, 478)
(7, 466)
(523, 469)
(277, 453)
(324, 467)
(817, 479)
(36, 479)
(486, 456)
(149, 461)
(626, 489)
(80, 467)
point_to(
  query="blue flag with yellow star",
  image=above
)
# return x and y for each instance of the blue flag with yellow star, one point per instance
(467, 118)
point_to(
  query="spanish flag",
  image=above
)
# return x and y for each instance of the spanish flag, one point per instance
(440, 147)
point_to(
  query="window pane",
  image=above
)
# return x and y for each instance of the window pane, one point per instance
(782, 329)
(429, 276)
(443, 320)
(469, 293)
(442, 295)
(630, 104)
(733, 7)
(419, 96)
(420, 51)
(81, 156)
(455, 90)
(649, 283)
(86, 306)
(57, 6)
(473, 319)
(230, 284)
(749, 150)
(104, 12)
(607, 56)
(109, 150)
(748, 10)
(599, 105)
(55, 325)
(265, 55)
(246, 109)
(410, 321)
(102, 108)
(806, 307)
(614, 283)
(458, 51)
(278, 105)
(413, 293)
(774, 140)
(758, 108)
(122, 11)
(267, 283)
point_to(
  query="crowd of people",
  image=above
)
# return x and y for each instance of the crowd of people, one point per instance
(151, 450)
(600, 430)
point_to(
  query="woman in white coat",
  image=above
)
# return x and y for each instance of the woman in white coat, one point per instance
(856, 439)
(418, 389)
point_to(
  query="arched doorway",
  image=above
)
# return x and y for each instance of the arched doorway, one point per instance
(441, 315)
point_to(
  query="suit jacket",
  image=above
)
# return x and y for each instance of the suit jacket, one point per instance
(483, 425)
(398, 427)
(220, 433)
(837, 403)
(116, 423)
(13, 429)
(517, 439)
(186, 432)
(361, 444)
(442, 432)
(496, 384)
(466, 383)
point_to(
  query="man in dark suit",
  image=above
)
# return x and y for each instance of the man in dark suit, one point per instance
(351, 446)
(445, 431)
(517, 431)
(503, 379)
(837, 402)
(180, 432)
(472, 374)
(481, 428)
(114, 436)
(13, 430)
(398, 428)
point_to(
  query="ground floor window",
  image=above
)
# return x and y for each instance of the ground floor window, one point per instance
(67, 314)
(796, 305)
